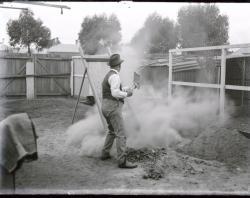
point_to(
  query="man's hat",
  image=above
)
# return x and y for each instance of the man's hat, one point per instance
(115, 60)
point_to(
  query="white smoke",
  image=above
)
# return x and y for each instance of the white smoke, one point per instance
(151, 120)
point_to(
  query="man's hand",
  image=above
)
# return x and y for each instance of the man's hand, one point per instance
(129, 92)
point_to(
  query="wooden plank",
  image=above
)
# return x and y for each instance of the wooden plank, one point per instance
(207, 85)
(222, 83)
(78, 75)
(15, 57)
(16, 94)
(170, 76)
(243, 80)
(186, 69)
(218, 47)
(51, 94)
(55, 58)
(93, 58)
(72, 78)
(12, 76)
(63, 75)
(240, 88)
(79, 95)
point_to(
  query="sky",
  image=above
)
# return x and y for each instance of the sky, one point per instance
(131, 15)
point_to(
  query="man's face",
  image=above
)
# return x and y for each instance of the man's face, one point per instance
(119, 67)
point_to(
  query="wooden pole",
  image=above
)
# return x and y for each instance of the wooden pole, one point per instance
(79, 95)
(222, 84)
(218, 82)
(170, 76)
(93, 88)
(243, 80)
(72, 78)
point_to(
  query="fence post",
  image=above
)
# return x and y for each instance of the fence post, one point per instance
(243, 80)
(222, 84)
(170, 74)
(72, 72)
(30, 79)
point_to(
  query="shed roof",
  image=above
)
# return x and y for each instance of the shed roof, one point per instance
(180, 63)
(242, 52)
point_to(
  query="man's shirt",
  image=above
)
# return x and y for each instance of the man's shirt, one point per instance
(115, 83)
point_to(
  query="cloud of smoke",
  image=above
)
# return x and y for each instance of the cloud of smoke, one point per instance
(131, 63)
(151, 120)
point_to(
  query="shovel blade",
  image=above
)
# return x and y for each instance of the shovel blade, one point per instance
(137, 80)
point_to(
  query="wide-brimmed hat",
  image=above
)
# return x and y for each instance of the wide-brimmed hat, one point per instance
(115, 60)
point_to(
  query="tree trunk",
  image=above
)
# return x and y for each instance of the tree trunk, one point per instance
(29, 50)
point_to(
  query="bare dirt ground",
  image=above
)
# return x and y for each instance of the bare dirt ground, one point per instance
(212, 163)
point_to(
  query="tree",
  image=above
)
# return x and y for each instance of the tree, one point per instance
(156, 36)
(96, 28)
(54, 41)
(27, 31)
(202, 25)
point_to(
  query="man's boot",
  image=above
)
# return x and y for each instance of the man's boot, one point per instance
(127, 164)
(105, 156)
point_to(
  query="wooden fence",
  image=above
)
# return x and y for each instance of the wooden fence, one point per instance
(12, 75)
(36, 75)
(54, 75)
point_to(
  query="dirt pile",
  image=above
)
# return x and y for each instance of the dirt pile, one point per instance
(152, 159)
(145, 154)
(160, 162)
(224, 144)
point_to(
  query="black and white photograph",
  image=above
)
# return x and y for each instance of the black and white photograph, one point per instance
(124, 98)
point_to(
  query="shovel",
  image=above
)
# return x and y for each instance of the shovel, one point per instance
(136, 82)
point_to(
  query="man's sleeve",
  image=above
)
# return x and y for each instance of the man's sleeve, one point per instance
(115, 82)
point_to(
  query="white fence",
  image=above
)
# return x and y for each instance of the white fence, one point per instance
(222, 86)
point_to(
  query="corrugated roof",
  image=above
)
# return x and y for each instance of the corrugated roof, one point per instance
(242, 52)
(180, 63)
(71, 48)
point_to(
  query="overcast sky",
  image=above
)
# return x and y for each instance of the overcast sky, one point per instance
(130, 14)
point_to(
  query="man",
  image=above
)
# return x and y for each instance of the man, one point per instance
(113, 99)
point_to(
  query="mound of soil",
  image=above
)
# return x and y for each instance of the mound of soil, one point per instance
(224, 144)
(152, 159)
(160, 162)
(144, 154)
